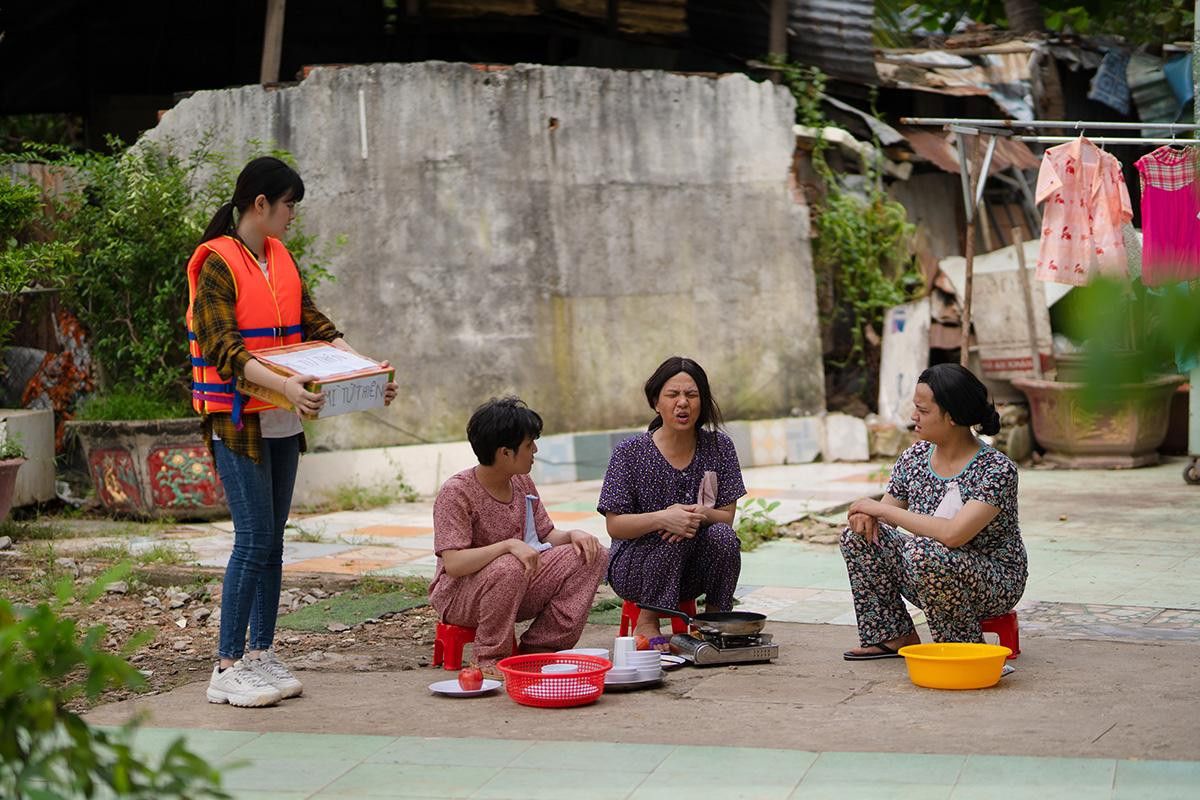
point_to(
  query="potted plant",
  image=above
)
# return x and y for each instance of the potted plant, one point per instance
(1113, 409)
(132, 221)
(11, 459)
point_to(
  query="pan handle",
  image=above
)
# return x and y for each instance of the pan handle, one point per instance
(667, 612)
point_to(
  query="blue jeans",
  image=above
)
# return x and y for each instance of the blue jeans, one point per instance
(259, 496)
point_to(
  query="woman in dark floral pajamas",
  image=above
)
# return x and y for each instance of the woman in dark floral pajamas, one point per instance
(669, 497)
(964, 560)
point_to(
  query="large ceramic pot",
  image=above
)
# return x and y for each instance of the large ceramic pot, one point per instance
(155, 468)
(9, 468)
(1125, 432)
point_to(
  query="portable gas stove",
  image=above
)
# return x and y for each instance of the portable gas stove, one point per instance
(712, 649)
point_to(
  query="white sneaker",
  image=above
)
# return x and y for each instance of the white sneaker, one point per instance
(241, 686)
(268, 667)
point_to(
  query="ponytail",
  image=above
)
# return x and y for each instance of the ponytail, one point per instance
(221, 223)
(267, 176)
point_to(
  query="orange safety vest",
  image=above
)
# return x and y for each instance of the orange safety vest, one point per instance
(268, 315)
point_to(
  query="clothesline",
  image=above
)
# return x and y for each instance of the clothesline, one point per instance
(1104, 140)
(1032, 124)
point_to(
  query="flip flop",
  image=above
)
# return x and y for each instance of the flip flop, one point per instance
(660, 640)
(887, 653)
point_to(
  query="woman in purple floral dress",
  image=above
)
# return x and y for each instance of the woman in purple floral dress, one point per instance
(964, 560)
(669, 497)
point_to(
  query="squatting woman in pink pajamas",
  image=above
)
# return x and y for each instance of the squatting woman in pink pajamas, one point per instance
(500, 558)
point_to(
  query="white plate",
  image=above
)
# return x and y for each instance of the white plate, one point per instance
(451, 688)
(671, 661)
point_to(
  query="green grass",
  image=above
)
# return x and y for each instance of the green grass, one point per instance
(129, 404)
(410, 584)
(350, 608)
(606, 612)
(353, 497)
(162, 554)
(33, 531)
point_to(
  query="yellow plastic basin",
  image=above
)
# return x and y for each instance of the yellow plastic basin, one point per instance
(954, 665)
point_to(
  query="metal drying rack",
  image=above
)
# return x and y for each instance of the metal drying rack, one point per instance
(974, 175)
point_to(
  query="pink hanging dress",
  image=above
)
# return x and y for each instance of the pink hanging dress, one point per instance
(1170, 215)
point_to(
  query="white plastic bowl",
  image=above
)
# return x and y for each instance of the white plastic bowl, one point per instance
(598, 652)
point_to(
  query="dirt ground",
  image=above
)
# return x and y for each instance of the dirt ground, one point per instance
(181, 607)
(1066, 698)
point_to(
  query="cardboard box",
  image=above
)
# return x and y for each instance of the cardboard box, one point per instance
(350, 382)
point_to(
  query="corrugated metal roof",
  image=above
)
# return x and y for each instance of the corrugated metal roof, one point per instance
(834, 35)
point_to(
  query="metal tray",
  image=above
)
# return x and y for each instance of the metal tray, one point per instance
(633, 686)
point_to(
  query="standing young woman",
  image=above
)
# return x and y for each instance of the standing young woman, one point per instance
(245, 294)
(669, 497)
(964, 560)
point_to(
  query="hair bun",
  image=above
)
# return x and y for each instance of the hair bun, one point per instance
(991, 422)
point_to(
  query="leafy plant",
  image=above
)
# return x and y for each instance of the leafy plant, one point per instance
(1139, 21)
(24, 261)
(755, 524)
(47, 751)
(10, 447)
(807, 85)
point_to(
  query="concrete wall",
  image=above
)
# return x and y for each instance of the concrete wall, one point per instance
(554, 232)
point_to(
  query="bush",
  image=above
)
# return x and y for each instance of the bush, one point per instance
(122, 403)
(47, 751)
(22, 262)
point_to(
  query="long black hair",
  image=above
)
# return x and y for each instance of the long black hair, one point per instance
(267, 176)
(710, 412)
(963, 396)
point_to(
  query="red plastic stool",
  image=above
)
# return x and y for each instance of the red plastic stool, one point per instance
(1005, 626)
(449, 641)
(630, 613)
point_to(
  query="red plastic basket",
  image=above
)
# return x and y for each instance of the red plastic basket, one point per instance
(528, 685)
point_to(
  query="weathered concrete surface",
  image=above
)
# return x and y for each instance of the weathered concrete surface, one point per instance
(1067, 698)
(551, 231)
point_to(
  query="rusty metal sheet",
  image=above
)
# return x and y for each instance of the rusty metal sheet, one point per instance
(834, 35)
(938, 148)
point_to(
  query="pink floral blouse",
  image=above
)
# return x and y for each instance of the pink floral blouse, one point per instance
(1087, 202)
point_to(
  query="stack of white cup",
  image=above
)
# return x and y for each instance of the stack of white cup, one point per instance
(632, 665)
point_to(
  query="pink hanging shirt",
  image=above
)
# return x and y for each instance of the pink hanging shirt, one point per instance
(1086, 205)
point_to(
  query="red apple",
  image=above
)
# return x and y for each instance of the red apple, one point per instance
(470, 678)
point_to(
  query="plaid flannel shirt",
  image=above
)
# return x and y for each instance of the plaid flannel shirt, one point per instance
(214, 319)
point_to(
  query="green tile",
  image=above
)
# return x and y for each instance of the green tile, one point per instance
(885, 768)
(714, 786)
(553, 784)
(274, 774)
(408, 780)
(749, 763)
(208, 744)
(873, 790)
(588, 755)
(1077, 777)
(314, 746)
(469, 752)
(1162, 780)
(592, 451)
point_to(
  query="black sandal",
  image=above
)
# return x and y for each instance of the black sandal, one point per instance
(887, 653)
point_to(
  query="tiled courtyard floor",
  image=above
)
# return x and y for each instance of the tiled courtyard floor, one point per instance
(1111, 643)
(295, 766)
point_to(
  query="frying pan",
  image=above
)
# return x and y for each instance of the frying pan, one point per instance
(728, 623)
